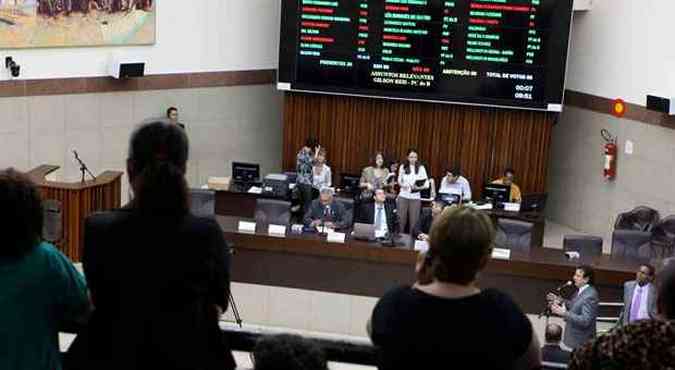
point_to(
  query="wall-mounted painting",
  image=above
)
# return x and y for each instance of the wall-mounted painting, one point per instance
(70, 23)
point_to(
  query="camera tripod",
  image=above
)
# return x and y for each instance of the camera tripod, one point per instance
(233, 304)
(235, 311)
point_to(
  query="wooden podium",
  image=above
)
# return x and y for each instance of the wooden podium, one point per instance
(78, 200)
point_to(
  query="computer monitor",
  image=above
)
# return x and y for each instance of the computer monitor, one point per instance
(497, 193)
(350, 183)
(245, 172)
(202, 202)
(535, 202)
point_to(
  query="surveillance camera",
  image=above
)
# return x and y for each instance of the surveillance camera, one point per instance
(16, 70)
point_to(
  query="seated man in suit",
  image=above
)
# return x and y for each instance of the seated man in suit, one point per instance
(326, 211)
(380, 213)
(639, 297)
(507, 180)
(580, 312)
(551, 351)
(421, 229)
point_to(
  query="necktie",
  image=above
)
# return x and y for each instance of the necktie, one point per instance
(635, 306)
(378, 219)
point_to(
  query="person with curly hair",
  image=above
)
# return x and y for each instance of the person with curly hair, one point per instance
(40, 289)
(288, 352)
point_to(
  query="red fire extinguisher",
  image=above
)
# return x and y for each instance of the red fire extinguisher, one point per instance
(610, 147)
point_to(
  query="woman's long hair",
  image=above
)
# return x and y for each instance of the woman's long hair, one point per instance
(406, 166)
(158, 154)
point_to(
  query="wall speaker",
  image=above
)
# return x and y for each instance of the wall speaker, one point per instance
(659, 104)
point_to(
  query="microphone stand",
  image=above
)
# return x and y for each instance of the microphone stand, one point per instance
(83, 167)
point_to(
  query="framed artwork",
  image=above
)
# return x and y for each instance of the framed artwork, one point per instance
(76, 23)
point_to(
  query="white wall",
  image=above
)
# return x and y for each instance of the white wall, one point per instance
(192, 36)
(624, 49)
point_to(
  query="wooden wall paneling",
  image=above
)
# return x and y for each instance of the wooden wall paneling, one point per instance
(483, 141)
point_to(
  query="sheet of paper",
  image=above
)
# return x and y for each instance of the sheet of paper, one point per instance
(255, 190)
(246, 227)
(276, 230)
(512, 207)
(336, 237)
(421, 246)
(501, 254)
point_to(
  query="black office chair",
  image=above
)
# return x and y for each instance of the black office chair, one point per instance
(585, 245)
(272, 211)
(628, 243)
(514, 235)
(662, 241)
(203, 202)
(348, 203)
(640, 218)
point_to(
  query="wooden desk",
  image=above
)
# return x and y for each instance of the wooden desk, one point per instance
(536, 218)
(242, 204)
(307, 261)
(78, 200)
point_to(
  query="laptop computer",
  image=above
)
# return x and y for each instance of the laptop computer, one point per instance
(364, 231)
(534, 202)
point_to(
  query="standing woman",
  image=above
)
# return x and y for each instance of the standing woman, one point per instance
(374, 177)
(321, 174)
(40, 289)
(412, 178)
(158, 275)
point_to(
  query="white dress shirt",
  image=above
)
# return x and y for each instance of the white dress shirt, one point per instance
(323, 179)
(460, 187)
(643, 312)
(407, 180)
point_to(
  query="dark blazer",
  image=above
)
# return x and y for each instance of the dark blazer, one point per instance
(336, 214)
(366, 215)
(628, 290)
(554, 353)
(580, 319)
(423, 223)
(156, 289)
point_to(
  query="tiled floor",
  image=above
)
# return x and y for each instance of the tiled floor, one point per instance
(305, 312)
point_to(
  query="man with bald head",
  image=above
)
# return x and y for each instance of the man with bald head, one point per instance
(552, 351)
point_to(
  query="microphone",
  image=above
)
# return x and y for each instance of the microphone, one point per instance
(568, 283)
(83, 167)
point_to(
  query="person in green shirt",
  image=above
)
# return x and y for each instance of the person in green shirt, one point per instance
(40, 289)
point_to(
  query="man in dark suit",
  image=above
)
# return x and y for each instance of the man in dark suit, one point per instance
(580, 312)
(639, 297)
(421, 229)
(380, 213)
(551, 351)
(326, 211)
